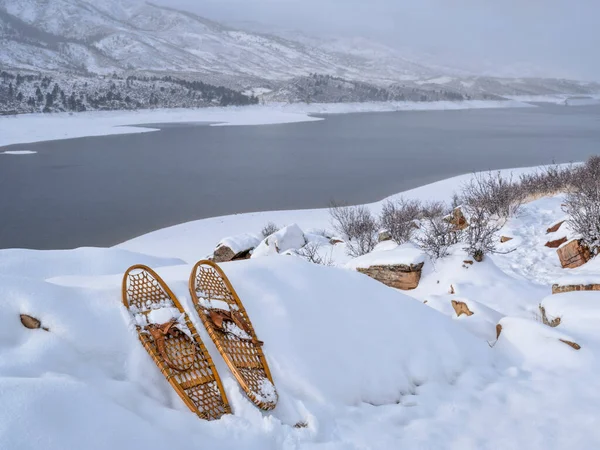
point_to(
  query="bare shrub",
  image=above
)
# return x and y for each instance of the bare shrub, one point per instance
(548, 181)
(269, 229)
(397, 217)
(436, 237)
(499, 196)
(480, 237)
(455, 202)
(582, 204)
(312, 253)
(357, 225)
(434, 209)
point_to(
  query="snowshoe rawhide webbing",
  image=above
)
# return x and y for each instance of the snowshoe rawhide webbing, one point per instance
(170, 338)
(229, 326)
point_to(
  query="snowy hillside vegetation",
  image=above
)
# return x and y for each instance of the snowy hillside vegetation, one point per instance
(74, 41)
(55, 93)
(329, 89)
(479, 355)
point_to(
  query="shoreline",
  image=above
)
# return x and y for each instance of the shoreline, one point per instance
(40, 127)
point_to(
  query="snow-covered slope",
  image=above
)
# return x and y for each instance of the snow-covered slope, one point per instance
(357, 364)
(132, 35)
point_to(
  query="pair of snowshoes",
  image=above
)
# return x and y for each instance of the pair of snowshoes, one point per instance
(172, 341)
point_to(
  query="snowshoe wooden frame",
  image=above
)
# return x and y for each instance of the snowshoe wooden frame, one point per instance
(199, 385)
(244, 357)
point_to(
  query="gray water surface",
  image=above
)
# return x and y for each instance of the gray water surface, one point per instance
(100, 191)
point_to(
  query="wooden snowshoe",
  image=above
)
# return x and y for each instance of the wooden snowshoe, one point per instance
(229, 326)
(173, 343)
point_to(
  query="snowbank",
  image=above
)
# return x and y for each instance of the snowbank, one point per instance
(288, 238)
(331, 353)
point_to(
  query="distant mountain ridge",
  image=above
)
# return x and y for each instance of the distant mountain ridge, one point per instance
(82, 45)
(128, 35)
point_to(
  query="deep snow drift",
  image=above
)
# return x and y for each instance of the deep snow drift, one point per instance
(356, 364)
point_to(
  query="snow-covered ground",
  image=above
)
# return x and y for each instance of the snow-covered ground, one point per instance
(358, 364)
(28, 128)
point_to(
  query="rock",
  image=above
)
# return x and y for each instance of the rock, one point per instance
(554, 228)
(235, 248)
(288, 238)
(399, 276)
(468, 261)
(558, 289)
(574, 345)
(556, 243)
(504, 239)
(573, 254)
(224, 254)
(383, 236)
(553, 323)
(478, 255)
(458, 219)
(31, 322)
(461, 308)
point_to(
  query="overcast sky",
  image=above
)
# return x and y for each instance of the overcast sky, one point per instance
(551, 37)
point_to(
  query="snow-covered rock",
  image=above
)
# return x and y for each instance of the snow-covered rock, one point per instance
(288, 238)
(235, 247)
(397, 266)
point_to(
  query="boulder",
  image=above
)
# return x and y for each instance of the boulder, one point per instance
(288, 238)
(383, 236)
(399, 276)
(559, 289)
(458, 219)
(554, 228)
(573, 254)
(235, 248)
(461, 308)
(397, 266)
(31, 322)
(556, 243)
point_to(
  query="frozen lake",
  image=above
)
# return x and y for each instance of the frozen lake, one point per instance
(99, 191)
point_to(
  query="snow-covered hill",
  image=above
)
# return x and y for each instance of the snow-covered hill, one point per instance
(357, 364)
(120, 35)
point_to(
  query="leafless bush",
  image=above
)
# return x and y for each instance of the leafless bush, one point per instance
(436, 237)
(548, 181)
(312, 253)
(455, 202)
(397, 217)
(322, 232)
(582, 203)
(357, 225)
(434, 209)
(498, 196)
(269, 229)
(480, 237)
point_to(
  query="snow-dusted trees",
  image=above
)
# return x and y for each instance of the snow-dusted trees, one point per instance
(35, 93)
